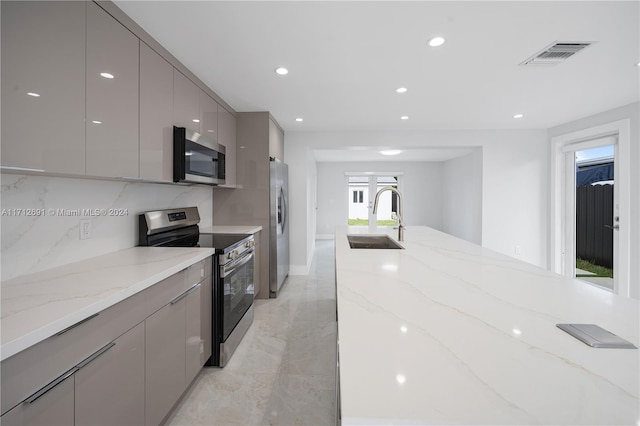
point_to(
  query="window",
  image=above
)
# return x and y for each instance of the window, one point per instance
(358, 196)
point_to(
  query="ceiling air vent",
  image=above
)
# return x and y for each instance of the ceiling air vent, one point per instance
(556, 53)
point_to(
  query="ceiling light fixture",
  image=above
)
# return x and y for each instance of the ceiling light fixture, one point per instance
(400, 378)
(518, 116)
(106, 75)
(96, 122)
(401, 89)
(390, 152)
(404, 117)
(35, 95)
(299, 119)
(436, 41)
(195, 120)
(282, 71)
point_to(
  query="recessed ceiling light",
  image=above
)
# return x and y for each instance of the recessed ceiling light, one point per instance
(96, 122)
(436, 41)
(404, 117)
(390, 152)
(638, 64)
(400, 378)
(518, 116)
(299, 119)
(401, 89)
(106, 75)
(35, 95)
(195, 120)
(282, 71)
(210, 131)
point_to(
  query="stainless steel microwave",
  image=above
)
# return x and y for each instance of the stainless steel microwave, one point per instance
(197, 159)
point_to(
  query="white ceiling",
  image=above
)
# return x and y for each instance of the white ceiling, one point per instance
(368, 154)
(346, 59)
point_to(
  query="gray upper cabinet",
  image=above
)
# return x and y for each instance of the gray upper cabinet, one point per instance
(156, 116)
(43, 85)
(186, 102)
(112, 96)
(227, 137)
(208, 117)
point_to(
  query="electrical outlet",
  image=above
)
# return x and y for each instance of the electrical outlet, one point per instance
(85, 229)
(518, 250)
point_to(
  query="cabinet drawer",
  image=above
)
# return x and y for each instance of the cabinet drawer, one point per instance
(199, 271)
(29, 370)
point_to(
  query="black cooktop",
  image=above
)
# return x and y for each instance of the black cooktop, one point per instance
(221, 242)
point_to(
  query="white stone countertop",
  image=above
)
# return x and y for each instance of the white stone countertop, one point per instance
(448, 332)
(232, 229)
(39, 305)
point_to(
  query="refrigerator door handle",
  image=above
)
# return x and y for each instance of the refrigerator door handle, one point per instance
(284, 208)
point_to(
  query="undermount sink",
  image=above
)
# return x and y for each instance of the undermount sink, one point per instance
(372, 242)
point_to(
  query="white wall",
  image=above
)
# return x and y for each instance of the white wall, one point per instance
(632, 113)
(514, 183)
(462, 196)
(420, 185)
(35, 243)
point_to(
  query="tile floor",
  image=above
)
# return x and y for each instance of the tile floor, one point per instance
(284, 371)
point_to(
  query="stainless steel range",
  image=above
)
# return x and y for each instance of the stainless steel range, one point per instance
(233, 268)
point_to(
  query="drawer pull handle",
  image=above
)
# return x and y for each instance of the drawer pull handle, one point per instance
(50, 386)
(77, 324)
(186, 293)
(95, 355)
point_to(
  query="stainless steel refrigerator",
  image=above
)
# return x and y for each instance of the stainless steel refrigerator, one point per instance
(279, 226)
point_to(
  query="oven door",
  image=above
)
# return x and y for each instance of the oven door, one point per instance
(236, 282)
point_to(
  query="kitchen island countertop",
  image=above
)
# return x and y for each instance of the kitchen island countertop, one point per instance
(448, 332)
(39, 305)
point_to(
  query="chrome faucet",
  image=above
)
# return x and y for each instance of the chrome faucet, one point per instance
(400, 222)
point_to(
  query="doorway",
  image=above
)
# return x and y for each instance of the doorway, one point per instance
(361, 193)
(595, 207)
(564, 182)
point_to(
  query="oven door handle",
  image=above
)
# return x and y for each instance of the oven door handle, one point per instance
(235, 265)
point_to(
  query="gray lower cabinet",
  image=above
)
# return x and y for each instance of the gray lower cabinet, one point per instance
(43, 85)
(109, 388)
(112, 96)
(52, 408)
(205, 318)
(165, 336)
(194, 356)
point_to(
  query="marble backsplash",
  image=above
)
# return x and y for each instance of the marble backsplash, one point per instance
(40, 226)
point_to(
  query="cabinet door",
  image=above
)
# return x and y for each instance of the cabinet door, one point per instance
(112, 96)
(43, 85)
(227, 137)
(110, 388)
(186, 102)
(208, 117)
(156, 116)
(194, 342)
(165, 360)
(206, 318)
(51, 409)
